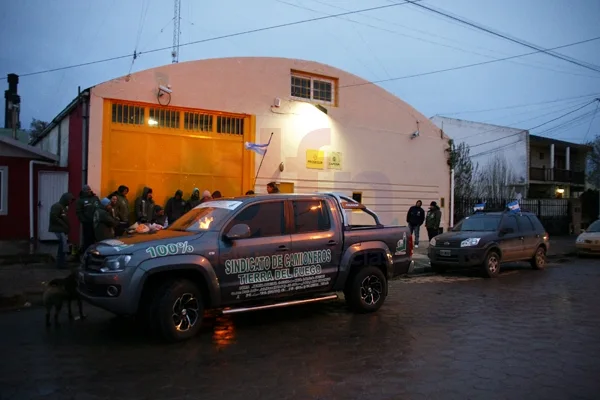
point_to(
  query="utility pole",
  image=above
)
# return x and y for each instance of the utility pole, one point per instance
(176, 31)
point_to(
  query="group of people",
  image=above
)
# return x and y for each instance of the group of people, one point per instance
(416, 216)
(110, 217)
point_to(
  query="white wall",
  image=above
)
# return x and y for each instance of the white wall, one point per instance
(488, 141)
(54, 139)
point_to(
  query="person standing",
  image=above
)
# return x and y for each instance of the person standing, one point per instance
(121, 209)
(272, 188)
(415, 218)
(433, 220)
(216, 195)
(194, 200)
(175, 207)
(85, 208)
(60, 226)
(104, 222)
(144, 206)
(206, 196)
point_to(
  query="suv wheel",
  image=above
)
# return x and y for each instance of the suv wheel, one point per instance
(539, 259)
(438, 269)
(366, 290)
(491, 265)
(178, 310)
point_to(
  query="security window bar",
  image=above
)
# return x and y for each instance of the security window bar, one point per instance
(301, 87)
(197, 122)
(230, 125)
(162, 118)
(127, 114)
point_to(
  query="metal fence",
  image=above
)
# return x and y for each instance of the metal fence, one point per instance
(555, 214)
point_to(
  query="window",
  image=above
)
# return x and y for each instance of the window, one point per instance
(541, 155)
(3, 190)
(197, 122)
(265, 219)
(163, 118)
(314, 88)
(311, 216)
(127, 114)
(479, 223)
(536, 223)
(510, 222)
(525, 224)
(231, 125)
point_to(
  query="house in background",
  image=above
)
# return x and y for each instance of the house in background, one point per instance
(538, 167)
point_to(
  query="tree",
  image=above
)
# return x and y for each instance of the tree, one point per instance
(36, 127)
(593, 175)
(459, 159)
(496, 180)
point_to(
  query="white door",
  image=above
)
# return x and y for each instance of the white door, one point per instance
(51, 185)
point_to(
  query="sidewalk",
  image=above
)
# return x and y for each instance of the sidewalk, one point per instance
(560, 246)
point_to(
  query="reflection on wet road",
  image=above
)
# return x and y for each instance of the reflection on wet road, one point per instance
(526, 335)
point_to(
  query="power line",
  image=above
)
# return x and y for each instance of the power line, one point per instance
(467, 65)
(591, 122)
(214, 38)
(503, 36)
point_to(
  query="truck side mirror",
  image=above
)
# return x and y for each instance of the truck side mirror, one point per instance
(239, 231)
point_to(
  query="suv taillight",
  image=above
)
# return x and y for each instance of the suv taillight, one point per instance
(410, 246)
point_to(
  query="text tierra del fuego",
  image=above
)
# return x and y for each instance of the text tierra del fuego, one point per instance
(277, 267)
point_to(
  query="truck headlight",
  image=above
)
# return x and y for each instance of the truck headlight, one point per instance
(470, 242)
(115, 264)
(432, 242)
(580, 239)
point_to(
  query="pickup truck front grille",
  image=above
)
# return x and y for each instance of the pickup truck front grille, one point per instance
(447, 243)
(93, 262)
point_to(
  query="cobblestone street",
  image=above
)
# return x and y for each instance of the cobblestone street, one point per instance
(525, 335)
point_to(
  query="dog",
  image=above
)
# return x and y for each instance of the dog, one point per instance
(57, 292)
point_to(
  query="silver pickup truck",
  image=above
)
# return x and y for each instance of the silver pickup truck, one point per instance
(247, 253)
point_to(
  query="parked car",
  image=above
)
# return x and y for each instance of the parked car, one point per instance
(588, 243)
(244, 254)
(489, 239)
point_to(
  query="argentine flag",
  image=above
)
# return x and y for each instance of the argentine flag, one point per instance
(479, 207)
(514, 206)
(257, 148)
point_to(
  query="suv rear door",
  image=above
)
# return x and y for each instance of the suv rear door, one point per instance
(316, 244)
(530, 241)
(511, 243)
(247, 266)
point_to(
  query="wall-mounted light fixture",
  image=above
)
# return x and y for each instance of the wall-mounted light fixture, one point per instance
(277, 102)
(560, 190)
(416, 133)
(321, 108)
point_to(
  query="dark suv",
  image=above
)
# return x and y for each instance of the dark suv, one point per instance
(487, 239)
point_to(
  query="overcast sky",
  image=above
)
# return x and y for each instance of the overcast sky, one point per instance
(404, 40)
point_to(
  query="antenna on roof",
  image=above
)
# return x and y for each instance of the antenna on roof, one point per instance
(176, 30)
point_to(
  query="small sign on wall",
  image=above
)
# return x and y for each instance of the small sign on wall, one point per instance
(334, 160)
(315, 159)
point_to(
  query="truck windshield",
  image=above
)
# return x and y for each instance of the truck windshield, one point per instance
(595, 227)
(205, 216)
(479, 223)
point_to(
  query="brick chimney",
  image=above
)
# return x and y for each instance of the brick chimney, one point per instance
(12, 103)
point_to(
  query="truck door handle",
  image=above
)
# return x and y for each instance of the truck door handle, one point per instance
(282, 248)
(332, 243)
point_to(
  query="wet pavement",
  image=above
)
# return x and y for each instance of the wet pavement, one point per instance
(525, 335)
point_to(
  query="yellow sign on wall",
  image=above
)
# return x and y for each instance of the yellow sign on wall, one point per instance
(315, 159)
(334, 161)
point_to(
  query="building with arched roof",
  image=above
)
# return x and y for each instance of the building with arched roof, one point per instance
(185, 125)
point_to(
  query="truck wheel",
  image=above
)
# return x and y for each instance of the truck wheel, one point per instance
(491, 265)
(178, 310)
(438, 269)
(366, 290)
(539, 259)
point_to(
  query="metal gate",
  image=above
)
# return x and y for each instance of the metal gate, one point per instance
(51, 185)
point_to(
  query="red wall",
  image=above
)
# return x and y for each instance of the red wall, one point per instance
(75, 167)
(15, 225)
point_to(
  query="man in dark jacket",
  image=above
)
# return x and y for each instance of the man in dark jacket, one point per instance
(144, 206)
(194, 200)
(59, 225)
(85, 208)
(175, 207)
(122, 207)
(433, 220)
(104, 222)
(158, 216)
(415, 218)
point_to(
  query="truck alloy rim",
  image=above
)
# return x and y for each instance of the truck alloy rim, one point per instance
(185, 312)
(370, 290)
(493, 264)
(539, 257)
